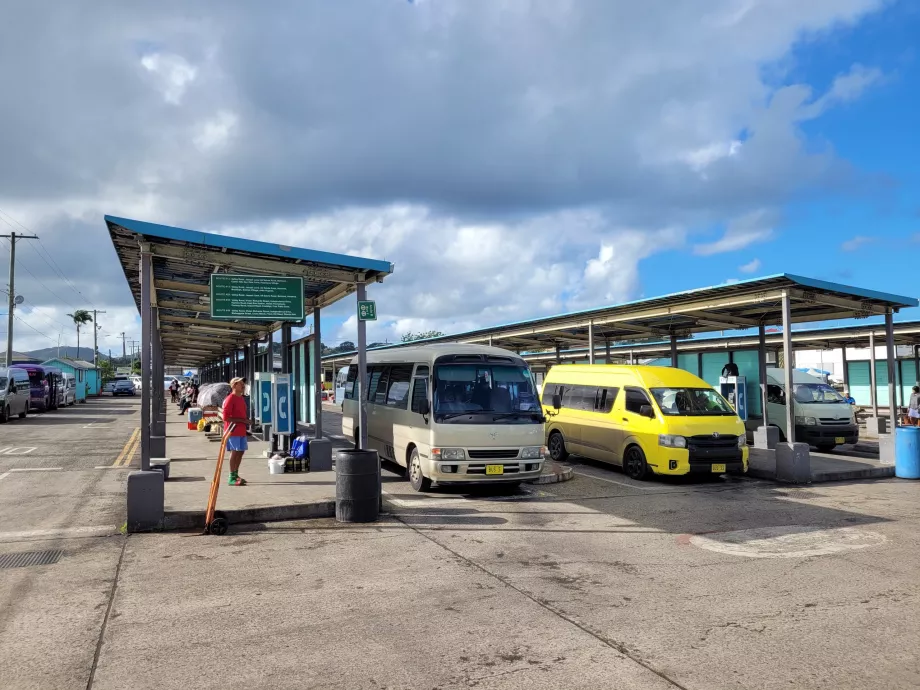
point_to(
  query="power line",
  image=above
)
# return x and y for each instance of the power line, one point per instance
(25, 323)
(53, 293)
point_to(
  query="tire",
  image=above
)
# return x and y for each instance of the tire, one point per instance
(417, 480)
(25, 412)
(557, 449)
(825, 447)
(634, 464)
(4, 415)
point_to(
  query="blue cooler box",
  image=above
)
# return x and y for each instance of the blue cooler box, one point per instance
(194, 414)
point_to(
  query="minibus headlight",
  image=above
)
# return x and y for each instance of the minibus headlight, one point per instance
(532, 452)
(742, 441)
(806, 421)
(448, 453)
(671, 441)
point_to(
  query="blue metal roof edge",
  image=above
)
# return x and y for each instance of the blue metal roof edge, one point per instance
(255, 246)
(898, 300)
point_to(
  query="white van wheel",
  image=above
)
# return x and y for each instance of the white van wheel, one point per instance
(417, 480)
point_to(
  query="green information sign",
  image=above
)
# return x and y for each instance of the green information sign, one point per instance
(367, 311)
(255, 298)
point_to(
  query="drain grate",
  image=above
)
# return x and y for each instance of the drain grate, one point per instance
(803, 494)
(29, 558)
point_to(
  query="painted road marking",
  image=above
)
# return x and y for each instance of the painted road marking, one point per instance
(62, 533)
(626, 484)
(17, 451)
(36, 469)
(789, 541)
(4, 475)
(127, 453)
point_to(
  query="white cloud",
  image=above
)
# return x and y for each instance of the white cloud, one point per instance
(173, 72)
(855, 243)
(742, 232)
(750, 267)
(215, 132)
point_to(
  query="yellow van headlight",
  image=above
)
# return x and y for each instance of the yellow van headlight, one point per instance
(671, 441)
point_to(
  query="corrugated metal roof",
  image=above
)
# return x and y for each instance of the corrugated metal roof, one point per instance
(183, 261)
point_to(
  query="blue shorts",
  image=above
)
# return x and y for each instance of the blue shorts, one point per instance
(238, 443)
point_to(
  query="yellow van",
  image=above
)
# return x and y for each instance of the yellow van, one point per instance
(647, 419)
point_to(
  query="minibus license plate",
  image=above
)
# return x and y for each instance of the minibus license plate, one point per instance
(495, 469)
(718, 468)
(840, 439)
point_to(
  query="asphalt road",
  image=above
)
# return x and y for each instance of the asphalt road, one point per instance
(600, 582)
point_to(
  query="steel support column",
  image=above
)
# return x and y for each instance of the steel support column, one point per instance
(591, 341)
(890, 353)
(361, 294)
(674, 351)
(873, 384)
(787, 369)
(762, 370)
(146, 271)
(318, 373)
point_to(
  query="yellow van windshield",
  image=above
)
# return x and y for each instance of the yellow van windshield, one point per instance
(691, 402)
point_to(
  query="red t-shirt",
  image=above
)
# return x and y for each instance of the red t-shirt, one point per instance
(235, 406)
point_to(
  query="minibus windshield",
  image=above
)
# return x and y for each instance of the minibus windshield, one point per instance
(816, 393)
(691, 402)
(485, 394)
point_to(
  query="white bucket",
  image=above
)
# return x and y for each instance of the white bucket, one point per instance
(276, 466)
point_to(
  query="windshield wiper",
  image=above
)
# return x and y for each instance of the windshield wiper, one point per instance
(452, 415)
(519, 413)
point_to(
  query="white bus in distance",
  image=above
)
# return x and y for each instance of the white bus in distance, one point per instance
(450, 414)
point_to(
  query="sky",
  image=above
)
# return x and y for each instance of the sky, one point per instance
(512, 158)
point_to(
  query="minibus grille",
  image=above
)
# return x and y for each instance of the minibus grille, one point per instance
(721, 441)
(709, 448)
(827, 421)
(493, 453)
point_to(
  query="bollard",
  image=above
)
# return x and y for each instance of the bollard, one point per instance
(357, 486)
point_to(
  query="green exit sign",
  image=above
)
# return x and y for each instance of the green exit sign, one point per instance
(367, 311)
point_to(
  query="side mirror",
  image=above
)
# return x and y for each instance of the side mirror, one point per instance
(426, 407)
(647, 411)
(557, 401)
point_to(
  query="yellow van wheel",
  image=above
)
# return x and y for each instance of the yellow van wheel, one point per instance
(557, 449)
(634, 464)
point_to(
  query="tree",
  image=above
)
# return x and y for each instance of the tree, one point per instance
(423, 335)
(107, 369)
(80, 317)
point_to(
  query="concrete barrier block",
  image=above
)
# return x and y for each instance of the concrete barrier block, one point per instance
(161, 465)
(157, 446)
(875, 426)
(793, 463)
(267, 433)
(886, 449)
(320, 455)
(145, 500)
(766, 437)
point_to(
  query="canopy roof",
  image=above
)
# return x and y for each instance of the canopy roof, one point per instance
(183, 261)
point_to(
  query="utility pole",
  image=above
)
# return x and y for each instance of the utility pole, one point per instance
(12, 237)
(124, 352)
(95, 339)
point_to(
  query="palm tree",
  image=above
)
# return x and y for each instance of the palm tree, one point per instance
(80, 317)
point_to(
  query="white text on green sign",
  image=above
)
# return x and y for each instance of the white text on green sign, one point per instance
(256, 298)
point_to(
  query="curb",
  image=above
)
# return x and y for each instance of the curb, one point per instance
(560, 473)
(185, 519)
(873, 473)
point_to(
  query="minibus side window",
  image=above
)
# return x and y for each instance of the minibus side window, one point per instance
(398, 389)
(419, 388)
(373, 375)
(350, 382)
(604, 400)
(635, 400)
(549, 390)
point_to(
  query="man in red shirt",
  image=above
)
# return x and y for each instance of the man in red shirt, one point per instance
(234, 412)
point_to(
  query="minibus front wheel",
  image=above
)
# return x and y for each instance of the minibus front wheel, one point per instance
(557, 449)
(634, 464)
(417, 480)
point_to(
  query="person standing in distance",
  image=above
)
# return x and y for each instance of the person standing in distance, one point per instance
(234, 412)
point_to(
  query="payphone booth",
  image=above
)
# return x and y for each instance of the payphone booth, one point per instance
(734, 389)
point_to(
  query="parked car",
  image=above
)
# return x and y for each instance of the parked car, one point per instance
(109, 387)
(70, 389)
(123, 387)
(14, 393)
(136, 380)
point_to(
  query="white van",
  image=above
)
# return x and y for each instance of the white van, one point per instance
(450, 413)
(15, 393)
(70, 389)
(341, 378)
(823, 417)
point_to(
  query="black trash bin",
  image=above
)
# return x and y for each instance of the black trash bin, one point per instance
(357, 486)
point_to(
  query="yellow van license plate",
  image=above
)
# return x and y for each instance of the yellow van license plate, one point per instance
(840, 439)
(495, 469)
(718, 468)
